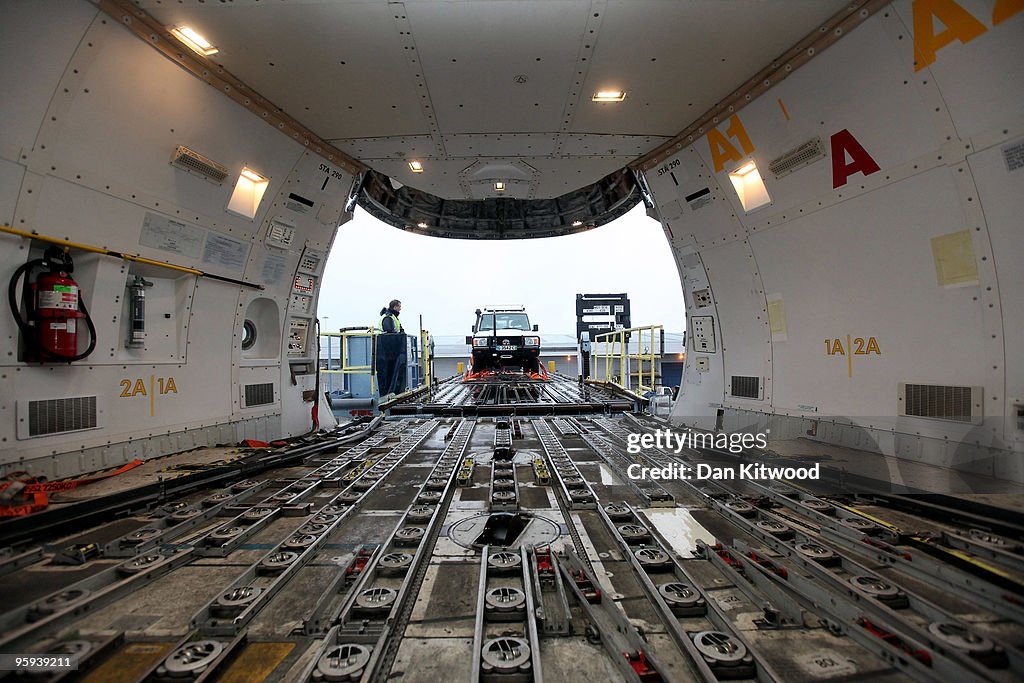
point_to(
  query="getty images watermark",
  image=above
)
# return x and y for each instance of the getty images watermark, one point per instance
(674, 442)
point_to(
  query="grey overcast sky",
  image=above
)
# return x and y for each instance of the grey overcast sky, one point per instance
(445, 280)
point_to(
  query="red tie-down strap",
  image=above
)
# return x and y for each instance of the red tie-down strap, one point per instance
(28, 495)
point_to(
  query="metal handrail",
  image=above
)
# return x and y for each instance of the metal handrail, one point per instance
(616, 350)
(346, 367)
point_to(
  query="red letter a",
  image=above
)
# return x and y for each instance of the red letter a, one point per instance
(844, 143)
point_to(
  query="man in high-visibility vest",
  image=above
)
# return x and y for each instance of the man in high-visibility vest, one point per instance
(389, 322)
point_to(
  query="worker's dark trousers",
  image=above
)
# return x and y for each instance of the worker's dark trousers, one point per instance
(391, 363)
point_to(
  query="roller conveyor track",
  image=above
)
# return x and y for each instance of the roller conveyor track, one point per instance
(374, 559)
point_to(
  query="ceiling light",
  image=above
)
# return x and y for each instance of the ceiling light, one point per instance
(416, 166)
(421, 224)
(196, 42)
(745, 168)
(252, 175)
(499, 186)
(609, 96)
(577, 223)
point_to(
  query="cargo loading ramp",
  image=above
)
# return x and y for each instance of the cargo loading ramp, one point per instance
(560, 395)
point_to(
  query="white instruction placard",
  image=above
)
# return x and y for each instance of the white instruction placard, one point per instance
(168, 234)
(224, 251)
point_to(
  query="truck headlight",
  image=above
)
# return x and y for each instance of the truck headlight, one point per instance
(531, 341)
(479, 342)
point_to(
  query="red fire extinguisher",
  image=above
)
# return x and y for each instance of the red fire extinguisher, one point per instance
(54, 307)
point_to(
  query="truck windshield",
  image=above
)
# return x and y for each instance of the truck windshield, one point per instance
(504, 321)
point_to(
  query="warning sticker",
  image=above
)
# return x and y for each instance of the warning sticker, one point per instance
(274, 268)
(699, 199)
(63, 297)
(1013, 154)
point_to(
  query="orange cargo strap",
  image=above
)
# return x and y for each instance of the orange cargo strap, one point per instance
(34, 493)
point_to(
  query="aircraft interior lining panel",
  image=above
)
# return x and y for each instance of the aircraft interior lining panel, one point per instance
(44, 46)
(66, 209)
(398, 169)
(671, 184)
(492, 28)
(924, 188)
(101, 197)
(742, 334)
(360, 34)
(979, 46)
(469, 147)
(309, 208)
(835, 98)
(592, 144)
(694, 202)
(1001, 193)
(156, 106)
(703, 373)
(560, 176)
(11, 176)
(865, 268)
(381, 149)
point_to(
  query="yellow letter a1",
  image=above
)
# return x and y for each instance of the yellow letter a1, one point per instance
(722, 150)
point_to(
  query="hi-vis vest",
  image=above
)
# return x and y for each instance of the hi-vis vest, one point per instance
(398, 323)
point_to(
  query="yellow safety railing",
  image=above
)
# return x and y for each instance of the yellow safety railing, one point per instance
(616, 352)
(346, 367)
(425, 359)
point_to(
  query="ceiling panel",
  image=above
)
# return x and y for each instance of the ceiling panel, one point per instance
(401, 147)
(499, 145)
(609, 145)
(498, 66)
(676, 60)
(339, 67)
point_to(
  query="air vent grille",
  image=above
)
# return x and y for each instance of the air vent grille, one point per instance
(956, 404)
(257, 394)
(807, 153)
(746, 387)
(194, 162)
(58, 415)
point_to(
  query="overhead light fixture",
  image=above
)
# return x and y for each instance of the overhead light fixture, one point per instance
(248, 193)
(416, 166)
(252, 175)
(749, 186)
(421, 224)
(499, 186)
(194, 40)
(577, 223)
(609, 96)
(745, 168)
